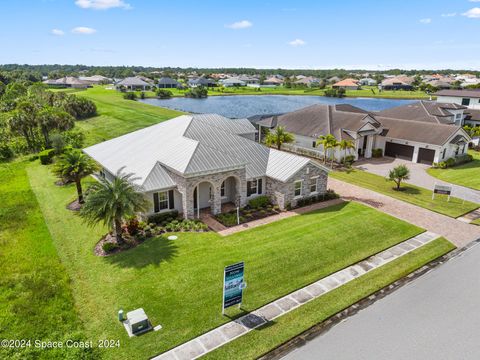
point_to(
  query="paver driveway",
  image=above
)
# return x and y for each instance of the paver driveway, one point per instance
(457, 232)
(418, 176)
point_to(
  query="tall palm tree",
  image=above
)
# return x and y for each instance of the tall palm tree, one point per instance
(346, 145)
(328, 142)
(112, 202)
(74, 165)
(278, 137)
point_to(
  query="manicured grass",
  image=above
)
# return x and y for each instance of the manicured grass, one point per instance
(117, 116)
(476, 222)
(466, 174)
(35, 297)
(410, 193)
(179, 283)
(264, 339)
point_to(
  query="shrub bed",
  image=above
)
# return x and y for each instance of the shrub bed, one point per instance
(451, 162)
(257, 208)
(135, 232)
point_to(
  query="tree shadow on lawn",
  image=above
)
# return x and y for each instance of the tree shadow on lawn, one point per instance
(408, 190)
(152, 252)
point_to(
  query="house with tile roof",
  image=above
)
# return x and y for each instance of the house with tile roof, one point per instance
(424, 132)
(347, 84)
(196, 162)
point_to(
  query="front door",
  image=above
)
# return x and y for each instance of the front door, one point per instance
(195, 198)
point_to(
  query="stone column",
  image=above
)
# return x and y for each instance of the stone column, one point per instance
(187, 203)
(216, 207)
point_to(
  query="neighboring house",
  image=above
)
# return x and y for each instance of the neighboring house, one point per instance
(309, 81)
(68, 82)
(472, 117)
(273, 81)
(194, 162)
(248, 79)
(419, 139)
(167, 83)
(233, 82)
(398, 83)
(367, 82)
(439, 83)
(333, 79)
(469, 98)
(202, 82)
(347, 84)
(428, 111)
(96, 79)
(132, 83)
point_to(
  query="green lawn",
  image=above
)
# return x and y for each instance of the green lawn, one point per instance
(179, 283)
(466, 175)
(117, 116)
(410, 193)
(476, 222)
(267, 338)
(35, 297)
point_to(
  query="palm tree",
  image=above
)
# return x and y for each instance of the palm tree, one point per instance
(112, 202)
(328, 142)
(74, 165)
(399, 174)
(346, 145)
(278, 137)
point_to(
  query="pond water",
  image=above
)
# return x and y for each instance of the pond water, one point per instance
(240, 106)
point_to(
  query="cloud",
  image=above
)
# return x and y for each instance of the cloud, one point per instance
(102, 4)
(297, 42)
(240, 25)
(474, 0)
(472, 13)
(426, 21)
(57, 32)
(83, 30)
(449, 14)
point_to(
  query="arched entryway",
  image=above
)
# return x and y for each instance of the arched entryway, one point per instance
(203, 196)
(230, 193)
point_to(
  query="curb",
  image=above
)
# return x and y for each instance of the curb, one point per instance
(353, 309)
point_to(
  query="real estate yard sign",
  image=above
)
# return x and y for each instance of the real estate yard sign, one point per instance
(233, 285)
(442, 190)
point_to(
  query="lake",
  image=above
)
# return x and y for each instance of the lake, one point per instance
(240, 106)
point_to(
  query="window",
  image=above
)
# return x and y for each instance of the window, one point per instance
(444, 152)
(466, 101)
(458, 116)
(298, 188)
(254, 187)
(456, 150)
(313, 185)
(222, 189)
(161, 201)
(463, 149)
(314, 144)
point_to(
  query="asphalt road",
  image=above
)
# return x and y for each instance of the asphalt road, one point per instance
(436, 316)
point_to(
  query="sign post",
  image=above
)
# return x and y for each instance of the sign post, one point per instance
(442, 190)
(233, 285)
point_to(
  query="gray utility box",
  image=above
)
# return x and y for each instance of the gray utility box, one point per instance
(137, 322)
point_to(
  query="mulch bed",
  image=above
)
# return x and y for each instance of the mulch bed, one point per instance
(74, 205)
(128, 243)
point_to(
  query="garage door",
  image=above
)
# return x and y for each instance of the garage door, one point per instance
(426, 156)
(399, 151)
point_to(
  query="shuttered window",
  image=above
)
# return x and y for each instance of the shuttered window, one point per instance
(161, 200)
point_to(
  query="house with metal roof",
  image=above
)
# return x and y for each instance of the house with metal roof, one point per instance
(201, 81)
(196, 162)
(424, 132)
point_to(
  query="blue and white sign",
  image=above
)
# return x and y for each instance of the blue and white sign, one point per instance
(233, 285)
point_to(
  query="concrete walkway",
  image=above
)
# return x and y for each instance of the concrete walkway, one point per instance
(283, 215)
(223, 334)
(418, 176)
(455, 231)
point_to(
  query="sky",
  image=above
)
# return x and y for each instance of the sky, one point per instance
(300, 34)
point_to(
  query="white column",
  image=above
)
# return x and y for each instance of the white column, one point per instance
(368, 150)
(416, 149)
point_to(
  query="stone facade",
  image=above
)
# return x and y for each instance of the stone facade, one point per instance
(186, 186)
(283, 194)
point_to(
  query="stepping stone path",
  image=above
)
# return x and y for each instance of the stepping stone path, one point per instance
(230, 331)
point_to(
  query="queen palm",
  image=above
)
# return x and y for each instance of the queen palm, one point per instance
(328, 142)
(346, 145)
(74, 165)
(278, 137)
(113, 202)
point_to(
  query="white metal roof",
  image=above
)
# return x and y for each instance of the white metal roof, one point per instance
(191, 145)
